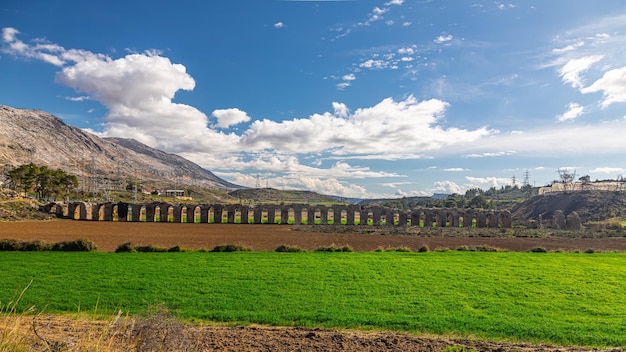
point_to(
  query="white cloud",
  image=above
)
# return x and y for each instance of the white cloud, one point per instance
(341, 110)
(490, 154)
(80, 98)
(607, 138)
(329, 186)
(455, 169)
(574, 110)
(570, 72)
(279, 25)
(374, 64)
(347, 81)
(404, 126)
(395, 2)
(443, 38)
(608, 170)
(487, 182)
(568, 48)
(9, 34)
(409, 50)
(229, 117)
(449, 187)
(613, 86)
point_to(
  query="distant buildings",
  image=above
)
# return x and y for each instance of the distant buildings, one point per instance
(611, 185)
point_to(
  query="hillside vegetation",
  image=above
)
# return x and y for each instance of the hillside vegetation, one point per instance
(589, 205)
(14, 207)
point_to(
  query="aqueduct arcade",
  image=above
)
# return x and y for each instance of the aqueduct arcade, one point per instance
(295, 214)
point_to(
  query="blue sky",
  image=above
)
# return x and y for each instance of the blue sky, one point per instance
(354, 98)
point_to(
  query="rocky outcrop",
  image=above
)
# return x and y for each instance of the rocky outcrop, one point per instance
(39, 137)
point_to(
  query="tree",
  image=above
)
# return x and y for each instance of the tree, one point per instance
(478, 202)
(46, 182)
(23, 177)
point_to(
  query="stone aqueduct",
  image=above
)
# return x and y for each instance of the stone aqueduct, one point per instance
(276, 214)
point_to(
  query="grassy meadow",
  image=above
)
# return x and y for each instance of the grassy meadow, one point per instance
(559, 298)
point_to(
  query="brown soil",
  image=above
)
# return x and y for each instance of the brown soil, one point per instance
(162, 333)
(109, 235)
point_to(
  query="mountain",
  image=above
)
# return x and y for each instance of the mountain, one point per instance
(44, 139)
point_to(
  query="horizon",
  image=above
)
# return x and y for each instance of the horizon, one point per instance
(358, 99)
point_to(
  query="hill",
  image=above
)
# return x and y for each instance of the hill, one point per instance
(589, 205)
(44, 139)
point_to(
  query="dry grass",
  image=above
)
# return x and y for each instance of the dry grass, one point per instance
(29, 330)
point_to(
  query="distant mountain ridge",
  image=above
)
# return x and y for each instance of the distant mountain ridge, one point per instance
(44, 139)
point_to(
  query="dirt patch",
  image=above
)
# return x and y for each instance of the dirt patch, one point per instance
(109, 235)
(160, 333)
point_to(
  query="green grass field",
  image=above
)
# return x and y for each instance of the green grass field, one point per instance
(560, 298)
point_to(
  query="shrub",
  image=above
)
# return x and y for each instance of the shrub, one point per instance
(176, 248)
(35, 246)
(125, 248)
(230, 248)
(10, 245)
(393, 249)
(423, 249)
(481, 248)
(39, 246)
(538, 250)
(590, 251)
(81, 245)
(333, 248)
(150, 249)
(289, 249)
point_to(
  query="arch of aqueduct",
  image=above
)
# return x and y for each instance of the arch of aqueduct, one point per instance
(282, 214)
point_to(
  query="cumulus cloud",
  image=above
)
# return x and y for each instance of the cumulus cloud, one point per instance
(612, 85)
(279, 25)
(574, 110)
(229, 117)
(408, 126)
(449, 187)
(341, 110)
(487, 182)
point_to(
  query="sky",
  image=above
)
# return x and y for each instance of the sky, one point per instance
(363, 99)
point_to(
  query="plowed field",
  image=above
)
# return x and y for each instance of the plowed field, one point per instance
(108, 235)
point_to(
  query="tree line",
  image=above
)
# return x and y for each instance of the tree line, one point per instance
(45, 182)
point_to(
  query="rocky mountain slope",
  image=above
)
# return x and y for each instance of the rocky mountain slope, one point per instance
(39, 137)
